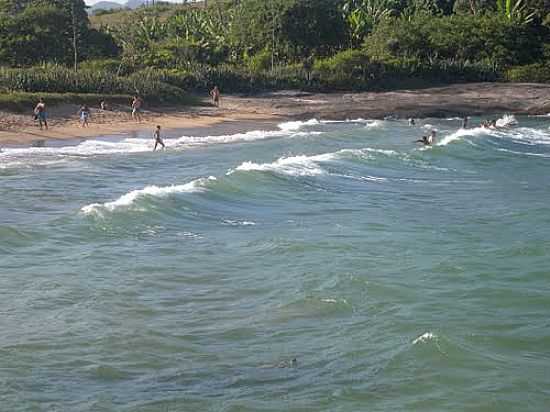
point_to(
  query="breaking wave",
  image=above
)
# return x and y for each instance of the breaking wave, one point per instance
(130, 198)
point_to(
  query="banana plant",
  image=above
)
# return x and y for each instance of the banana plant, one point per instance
(515, 10)
(363, 15)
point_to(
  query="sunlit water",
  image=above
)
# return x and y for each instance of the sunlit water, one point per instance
(399, 277)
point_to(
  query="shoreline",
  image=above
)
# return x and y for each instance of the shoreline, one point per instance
(238, 112)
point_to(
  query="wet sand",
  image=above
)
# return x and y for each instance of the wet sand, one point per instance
(271, 108)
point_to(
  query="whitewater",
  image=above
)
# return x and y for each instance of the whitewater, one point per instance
(315, 265)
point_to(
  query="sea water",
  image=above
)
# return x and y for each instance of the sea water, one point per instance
(398, 276)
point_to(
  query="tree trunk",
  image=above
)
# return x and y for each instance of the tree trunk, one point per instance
(75, 49)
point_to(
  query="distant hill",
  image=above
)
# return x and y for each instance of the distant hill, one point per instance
(111, 5)
(134, 4)
(105, 5)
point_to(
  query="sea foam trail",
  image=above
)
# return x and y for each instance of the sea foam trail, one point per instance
(304, 165)
(241, 137)
(291, 166)
(130, 198)
(21, 156)
(460, 133)
(297, 125)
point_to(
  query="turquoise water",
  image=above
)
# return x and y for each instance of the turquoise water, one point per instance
(399, 277)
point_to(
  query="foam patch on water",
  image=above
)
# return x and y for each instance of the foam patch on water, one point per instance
(292, 166)
(374, 124)
(460, 133)
(38, 156)
(130, 198)
(532, 136)
(251, 136)
(297, 125)
(239, 222)
(424, 338)
(507, 121)
(294, 126)
(304, 165)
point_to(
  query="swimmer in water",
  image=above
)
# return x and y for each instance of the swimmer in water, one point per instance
(158, 140)
(427, 140)
(412, 122)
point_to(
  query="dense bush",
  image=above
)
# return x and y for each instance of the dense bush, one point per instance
(347, 69)
(472, 38)
(60, 79)
(534, 73)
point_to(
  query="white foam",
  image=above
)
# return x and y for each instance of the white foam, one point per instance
(374, 124)
(507, 121)
(530, 135)
(32, 156)
(297, 125)
(424, 338)
(239, 222)
(477, 131)
(292, 166)
(231, 138)
(129, 198)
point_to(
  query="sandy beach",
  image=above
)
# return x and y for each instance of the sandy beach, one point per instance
(455, 100)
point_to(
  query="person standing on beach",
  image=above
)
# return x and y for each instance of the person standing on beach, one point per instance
(40, 114)
(215, 94)
(158, 140)
(84, 113)
(136, 108)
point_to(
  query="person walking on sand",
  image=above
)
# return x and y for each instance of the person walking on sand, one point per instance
(84, 113)
(136, 108)
(40, 114)
(158, 140)
(215, 94)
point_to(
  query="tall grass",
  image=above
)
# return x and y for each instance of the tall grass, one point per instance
(59, 79)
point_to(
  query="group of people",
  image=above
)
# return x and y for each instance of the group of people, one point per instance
(430, 139)
(489, 124)
(84, 112)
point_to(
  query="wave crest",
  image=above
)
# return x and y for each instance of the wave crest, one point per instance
(130, 198)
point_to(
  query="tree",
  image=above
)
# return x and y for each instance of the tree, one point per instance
(304, 25)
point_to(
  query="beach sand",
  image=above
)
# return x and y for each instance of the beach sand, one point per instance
(454, 100)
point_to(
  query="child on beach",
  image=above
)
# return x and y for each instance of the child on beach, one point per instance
(158, 140)
(215, 94)
(40, 114)
(84, 113)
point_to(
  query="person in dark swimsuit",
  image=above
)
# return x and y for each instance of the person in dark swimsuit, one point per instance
(158, 140)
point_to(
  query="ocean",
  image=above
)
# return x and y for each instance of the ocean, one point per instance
(315, 266)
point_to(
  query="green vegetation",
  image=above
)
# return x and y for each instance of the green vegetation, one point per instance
(165, 51)
(22, 101)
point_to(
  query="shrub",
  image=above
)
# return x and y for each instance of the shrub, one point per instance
(59, 79)
(348, 69)
(458, 37)
(261, 61)
(535, 73)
